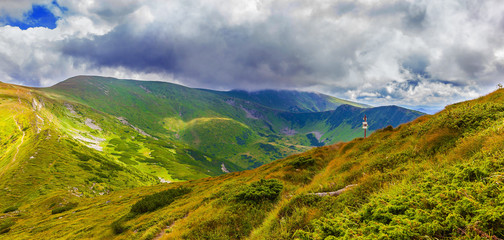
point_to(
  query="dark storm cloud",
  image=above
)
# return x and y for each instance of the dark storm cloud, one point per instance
(237, 55)
(148, 52)
(470, 61)
(415, 17)
(416, 64)
(280, 51)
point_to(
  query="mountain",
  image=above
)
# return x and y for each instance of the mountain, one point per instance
(93, 135)
(248, 131)
(439, 176)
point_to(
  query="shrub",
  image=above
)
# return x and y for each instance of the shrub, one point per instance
(263, 190)
(347, 166)
(152, 202)
(388, 128)
(64, 208)
(10, 209)
(85, 167)
(118, 228)
(5, 225)
(81, 156)
(462, 199)
(302, 162)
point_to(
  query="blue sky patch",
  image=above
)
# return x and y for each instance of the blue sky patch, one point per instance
(38, 16)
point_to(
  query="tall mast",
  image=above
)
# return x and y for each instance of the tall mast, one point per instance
(365, 125)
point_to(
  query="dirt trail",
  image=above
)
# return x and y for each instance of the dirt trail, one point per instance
(335, 193)
(163, 232)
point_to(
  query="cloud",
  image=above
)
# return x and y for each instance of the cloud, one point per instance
(389, 52)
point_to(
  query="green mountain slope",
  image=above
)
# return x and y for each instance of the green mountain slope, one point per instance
(248, 131)
(440, 176)
(49, 145)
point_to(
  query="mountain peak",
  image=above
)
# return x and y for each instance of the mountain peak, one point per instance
(84, 79)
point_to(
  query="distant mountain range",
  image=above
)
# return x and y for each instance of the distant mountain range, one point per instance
(246, 128)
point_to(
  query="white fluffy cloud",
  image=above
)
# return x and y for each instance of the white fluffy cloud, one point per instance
(406, 52)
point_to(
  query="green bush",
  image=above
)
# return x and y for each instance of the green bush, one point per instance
(5, 225)
(458, 201)
(118, 227)
(10, 209)
(64, 208)
(263, 190)
(388, 128)
(302, 162)
(152, 202)
(81, 156)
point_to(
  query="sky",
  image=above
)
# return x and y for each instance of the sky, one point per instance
(420, 54)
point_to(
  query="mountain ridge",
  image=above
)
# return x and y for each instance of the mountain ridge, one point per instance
(260, 96)
(166, 105)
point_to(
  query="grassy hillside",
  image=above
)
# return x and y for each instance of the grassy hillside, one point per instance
(248, 129)
(49, 145)
(437, 177)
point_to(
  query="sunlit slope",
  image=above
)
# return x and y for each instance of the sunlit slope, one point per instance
(38, 156)
(249, 131)
(50, 146)
(439, 176)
